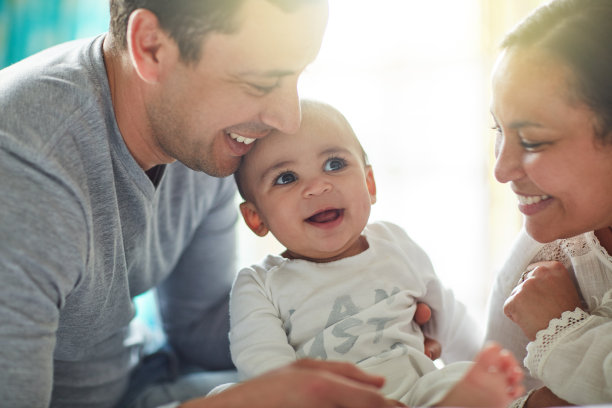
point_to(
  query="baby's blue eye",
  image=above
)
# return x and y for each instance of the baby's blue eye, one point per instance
(285, 178)
(334, 164)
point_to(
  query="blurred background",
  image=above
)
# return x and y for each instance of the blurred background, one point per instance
(412, 77)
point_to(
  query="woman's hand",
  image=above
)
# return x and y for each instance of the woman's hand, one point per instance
(543, 293)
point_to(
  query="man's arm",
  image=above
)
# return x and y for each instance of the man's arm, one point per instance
(42, 250)
(303, 384)
(194, 299)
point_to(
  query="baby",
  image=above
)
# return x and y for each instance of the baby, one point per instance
(344, 289)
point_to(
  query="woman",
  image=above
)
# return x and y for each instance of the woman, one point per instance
(552, 105)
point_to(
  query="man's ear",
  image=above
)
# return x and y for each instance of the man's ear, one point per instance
(252, 219)
(149, 47)
(371, 183)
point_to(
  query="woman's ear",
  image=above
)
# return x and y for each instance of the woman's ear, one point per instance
(371, 183)
(252, 218)
(149, 47)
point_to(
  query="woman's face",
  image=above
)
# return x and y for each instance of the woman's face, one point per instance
(546, 147)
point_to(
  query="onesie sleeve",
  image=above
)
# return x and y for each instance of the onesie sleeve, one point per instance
(451, 324)
(258, 339)
(43, 250)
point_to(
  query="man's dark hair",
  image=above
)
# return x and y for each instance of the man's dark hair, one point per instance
(186, 21)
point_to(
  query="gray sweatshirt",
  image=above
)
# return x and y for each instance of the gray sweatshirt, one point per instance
(83, 230)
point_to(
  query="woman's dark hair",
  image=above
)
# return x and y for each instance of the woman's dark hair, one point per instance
(186, 21)
(579, 33)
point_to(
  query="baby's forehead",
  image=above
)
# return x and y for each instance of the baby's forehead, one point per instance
(322, 128)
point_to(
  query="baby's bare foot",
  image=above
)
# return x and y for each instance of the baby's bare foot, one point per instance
(493, 381)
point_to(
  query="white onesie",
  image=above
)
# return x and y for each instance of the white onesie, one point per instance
(358, 309)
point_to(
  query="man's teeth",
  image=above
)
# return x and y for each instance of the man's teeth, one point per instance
(528, 200)
(241, 139)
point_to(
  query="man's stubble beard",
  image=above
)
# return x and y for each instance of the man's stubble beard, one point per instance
(197, 154)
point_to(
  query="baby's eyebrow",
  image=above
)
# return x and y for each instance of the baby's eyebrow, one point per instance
(275, 168)
(334, 150)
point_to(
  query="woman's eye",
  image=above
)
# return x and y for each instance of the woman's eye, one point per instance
(285, 178)
(334, 164)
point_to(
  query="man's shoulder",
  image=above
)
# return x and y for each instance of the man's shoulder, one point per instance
(56, 68)
(42, 92)
(53, 101)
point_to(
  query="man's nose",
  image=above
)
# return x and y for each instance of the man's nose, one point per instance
(282, 110)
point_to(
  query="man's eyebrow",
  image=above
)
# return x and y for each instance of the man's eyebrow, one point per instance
(272, 73)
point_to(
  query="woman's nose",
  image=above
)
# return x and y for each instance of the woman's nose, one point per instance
(508, 162)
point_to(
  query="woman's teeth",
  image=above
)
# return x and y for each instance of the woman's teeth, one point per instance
(241, 139)
(528, 200)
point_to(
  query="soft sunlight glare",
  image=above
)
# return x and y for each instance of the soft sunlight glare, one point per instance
(412, 77)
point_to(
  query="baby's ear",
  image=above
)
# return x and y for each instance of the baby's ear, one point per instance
(371, 183)
(252, 219)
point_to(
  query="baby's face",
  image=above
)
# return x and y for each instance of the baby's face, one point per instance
(312, 189)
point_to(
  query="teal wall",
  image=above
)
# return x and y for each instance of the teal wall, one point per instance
(28, 26)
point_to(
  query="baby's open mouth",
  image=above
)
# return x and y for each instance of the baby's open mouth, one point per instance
(326, 216)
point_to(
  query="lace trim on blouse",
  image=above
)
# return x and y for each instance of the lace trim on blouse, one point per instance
(596, 245)
(563, 250)
(539, 349)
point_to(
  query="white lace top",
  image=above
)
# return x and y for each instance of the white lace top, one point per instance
(573, 356)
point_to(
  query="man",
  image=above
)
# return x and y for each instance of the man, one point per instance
(98, 143)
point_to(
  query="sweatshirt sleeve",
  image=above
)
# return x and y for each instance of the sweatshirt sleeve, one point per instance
(194, 299)
(43, 248)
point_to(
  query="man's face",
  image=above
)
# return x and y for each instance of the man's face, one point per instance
(207, 115)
